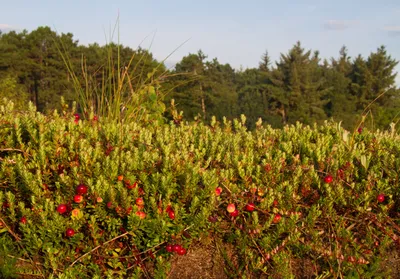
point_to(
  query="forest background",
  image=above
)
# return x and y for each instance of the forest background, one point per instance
(300, 86)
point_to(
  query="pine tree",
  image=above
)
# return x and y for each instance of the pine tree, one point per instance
(340, 104)
(300, 76)
(189, 93)
(220, 90)
(264, 65)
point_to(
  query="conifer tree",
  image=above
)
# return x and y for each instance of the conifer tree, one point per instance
(299, 76)
(189, 93)
(341, 102)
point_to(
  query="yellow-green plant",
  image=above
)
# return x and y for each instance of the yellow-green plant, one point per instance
(312, 197)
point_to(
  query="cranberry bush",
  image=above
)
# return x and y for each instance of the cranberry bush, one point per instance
(85, 198)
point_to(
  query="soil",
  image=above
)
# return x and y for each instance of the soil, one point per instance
(205, 260)
(201, 261)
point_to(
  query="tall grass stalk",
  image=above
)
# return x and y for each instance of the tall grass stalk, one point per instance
(117, 99)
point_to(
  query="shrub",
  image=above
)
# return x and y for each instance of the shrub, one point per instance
(148, 188)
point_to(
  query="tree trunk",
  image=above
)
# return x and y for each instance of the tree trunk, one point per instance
(282, 112)
(203, 105)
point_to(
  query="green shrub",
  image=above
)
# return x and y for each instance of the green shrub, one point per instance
(314, 190)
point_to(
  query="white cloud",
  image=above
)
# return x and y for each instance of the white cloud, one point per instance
(393, 30)
(334, 24)
(5, 27)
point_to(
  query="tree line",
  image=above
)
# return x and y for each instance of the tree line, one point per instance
(300, 86)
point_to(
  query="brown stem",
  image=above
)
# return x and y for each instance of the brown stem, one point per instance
(97, 247)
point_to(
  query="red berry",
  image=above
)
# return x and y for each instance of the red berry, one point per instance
(131, 186)
(62, 208)
(141, 214)
(231, 208)
(169, 248)
(120, 177)
(275, 203)
(176, 247)
(23, 220)
(359, 130)
(69, 232)
(139, 201)
(218, 191)
(181, 251)
(169, 208)
(328, 179)
(78, 198)
(109, 204)
(81, 189)
(95, 118)
(381, 198)
(234, 213)
(277, 218)
(250, 207)
(171, 214)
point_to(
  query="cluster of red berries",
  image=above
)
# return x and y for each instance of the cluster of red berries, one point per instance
(78, 198)
(77, 117)
(176, 248)
(233, 211)
(80, 190)
(250, 207)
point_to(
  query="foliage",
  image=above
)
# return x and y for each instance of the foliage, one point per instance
(47, 66)
(315, 191)
(298, 87)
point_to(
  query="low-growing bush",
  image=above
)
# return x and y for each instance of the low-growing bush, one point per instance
(85, 198)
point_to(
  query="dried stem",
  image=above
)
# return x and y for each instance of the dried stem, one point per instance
(97, 247)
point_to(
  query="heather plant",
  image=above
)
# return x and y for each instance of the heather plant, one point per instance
(87, 198)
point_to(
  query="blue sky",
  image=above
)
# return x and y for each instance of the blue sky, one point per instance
(236, 32)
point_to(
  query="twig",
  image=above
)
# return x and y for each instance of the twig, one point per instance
(24, 260)
(10, 231)
(151, 248)
(28, 274)
(97, 247)
(18, 242)
(13, 149)
(226, 187)
(259, 250)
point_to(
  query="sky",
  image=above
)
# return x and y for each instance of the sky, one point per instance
(237, 32)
